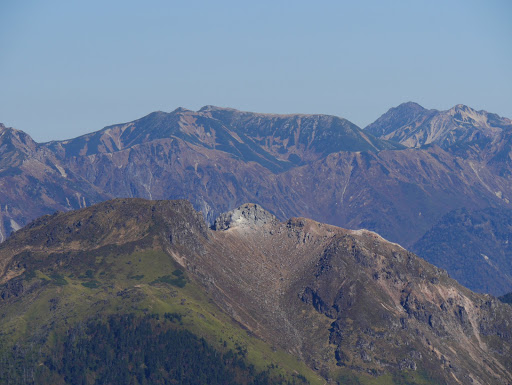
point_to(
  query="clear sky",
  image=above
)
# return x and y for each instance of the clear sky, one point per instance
(71, 67)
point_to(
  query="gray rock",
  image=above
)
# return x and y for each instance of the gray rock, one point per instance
(247, 215)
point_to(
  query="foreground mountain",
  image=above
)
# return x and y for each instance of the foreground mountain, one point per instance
(316, 166)
(108, 271)
(348, 305)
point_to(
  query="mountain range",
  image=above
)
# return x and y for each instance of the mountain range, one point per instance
(408, 176)
(276, 302)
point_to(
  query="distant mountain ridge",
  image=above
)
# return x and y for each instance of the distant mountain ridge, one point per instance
(317, 166)
(277, 142)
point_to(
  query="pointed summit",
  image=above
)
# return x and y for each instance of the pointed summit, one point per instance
(410, 106)
(16, 140)
(458, 107)
(396, 117)
(466, 114)
(461, 108)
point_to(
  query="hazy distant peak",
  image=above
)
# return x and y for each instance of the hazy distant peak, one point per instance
(410, 106)
(461, 108)
(6, 129)
(209, 108)
(17, 133)
(399, 116)
(181, 109)
(414, 126)
(12, 142)
(236, 112)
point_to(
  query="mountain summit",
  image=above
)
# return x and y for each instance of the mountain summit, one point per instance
(413, 126)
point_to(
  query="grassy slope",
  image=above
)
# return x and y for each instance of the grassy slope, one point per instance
(125, 284)
(120, 278)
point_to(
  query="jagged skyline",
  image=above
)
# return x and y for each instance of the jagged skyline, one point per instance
(68, 69)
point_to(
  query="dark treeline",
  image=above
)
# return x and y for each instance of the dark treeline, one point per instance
(127, 350)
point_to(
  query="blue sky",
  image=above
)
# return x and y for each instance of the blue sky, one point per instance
(71, 67)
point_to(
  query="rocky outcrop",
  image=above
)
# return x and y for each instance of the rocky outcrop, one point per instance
(247, 215)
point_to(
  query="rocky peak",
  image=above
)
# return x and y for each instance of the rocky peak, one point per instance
(395, 118)
(414, 126)
(7, 130)
(11, 139)
(467, 114)
(247, 215)
(460, 107)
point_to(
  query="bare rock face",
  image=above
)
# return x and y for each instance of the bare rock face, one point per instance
(247, 215)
